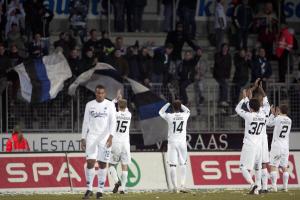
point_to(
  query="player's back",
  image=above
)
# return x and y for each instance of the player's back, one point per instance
(281, 131)
(123, 126)
(254, 124)
(177, 123)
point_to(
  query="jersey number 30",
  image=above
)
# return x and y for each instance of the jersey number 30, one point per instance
(177, 128)
(121, 126)
(256, 128)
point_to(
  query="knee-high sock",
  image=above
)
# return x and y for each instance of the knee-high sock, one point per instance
(285, 178)
(90, 174)
(101, 179)
(182, 175)
(113, 173)
(246, 175)
(274, 178)
(258, 174)
(264, 178)
(173, 176)
(124, 180)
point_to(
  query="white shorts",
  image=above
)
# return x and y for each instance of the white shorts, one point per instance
(177, 153)
(265, 149)
(279, 157)
(96, 151)
(120, 152)
(250, 156)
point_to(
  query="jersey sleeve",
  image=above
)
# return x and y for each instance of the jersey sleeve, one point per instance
(239, 110)
(112, 120)
(185, 109)
(85, 124)
(271, 121)
(266, 106)
(162, 111)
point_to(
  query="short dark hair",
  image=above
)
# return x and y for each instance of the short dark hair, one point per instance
(92, 30)
(169, 46)
(284, 109)
(254, 104)
(100, 87)
(176, 105)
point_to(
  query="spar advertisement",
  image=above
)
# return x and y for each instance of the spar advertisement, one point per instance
(65, 172)
(148, 171)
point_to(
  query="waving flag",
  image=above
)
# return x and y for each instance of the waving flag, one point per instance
(154, 128)
(103, 74)
(42, 78)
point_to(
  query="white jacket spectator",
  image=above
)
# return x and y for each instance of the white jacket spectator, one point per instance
(15, 15)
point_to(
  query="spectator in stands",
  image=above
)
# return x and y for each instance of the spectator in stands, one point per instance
(261, 68)
(5, 64)
(14, 56)
(187, 12)
(75, 62)
(31, 8)
(66, 42)
(243, 64)
(220, 23)
(132, 59)
(161, 62)
(243, 17)
(168, 15)
(45, 16)
(177, 38)
(145, 66)
(106, 43)
(284, 47)
(267, 23)
(185, 76)
(221, 72)
(17, 142)
(78, 14)
(119, 44)
(119, 62)
(36, 47)
(119, 9)
(199, 75)
(2, 20)
(14, 37)
(89, 60)
(138, 11)
(15, 15)
(93, 42)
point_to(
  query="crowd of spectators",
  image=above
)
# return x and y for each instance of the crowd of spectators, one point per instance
(26, 34)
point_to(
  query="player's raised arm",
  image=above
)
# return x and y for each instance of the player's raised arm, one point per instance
(271, 119)
(238, 109)
(185, 109)
(162, 111)
(112, 125)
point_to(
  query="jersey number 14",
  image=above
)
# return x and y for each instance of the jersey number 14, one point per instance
(177, 128)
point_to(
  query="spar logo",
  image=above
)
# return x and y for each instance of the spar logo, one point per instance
(134, 174)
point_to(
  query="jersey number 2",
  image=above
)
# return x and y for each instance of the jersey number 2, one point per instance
(284, 130)
(121, 126)
(177, 128)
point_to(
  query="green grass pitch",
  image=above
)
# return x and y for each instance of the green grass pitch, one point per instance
(207, 195)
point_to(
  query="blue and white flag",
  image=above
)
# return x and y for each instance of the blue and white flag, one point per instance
(148, 104)
(41, 79)
(103, 74)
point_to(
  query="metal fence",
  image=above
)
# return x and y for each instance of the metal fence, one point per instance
(65, 113)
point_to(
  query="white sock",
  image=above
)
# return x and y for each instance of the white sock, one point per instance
(264, 178)
(258, 175)
(173, 176)
(247, 175)
(124, 180)
(90, 174)
(274, 178)
(113, 173)
(101, 179)
(182, 175)
(285, 178)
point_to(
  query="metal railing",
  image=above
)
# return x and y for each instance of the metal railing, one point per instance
(65, 113)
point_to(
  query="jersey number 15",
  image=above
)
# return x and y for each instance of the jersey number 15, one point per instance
(121, 126)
